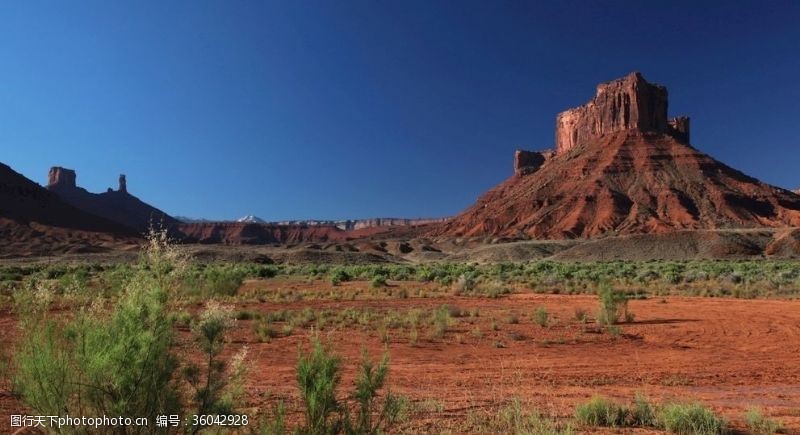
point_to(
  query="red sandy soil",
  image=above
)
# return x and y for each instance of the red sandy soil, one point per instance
(730, 354)
(625, 183)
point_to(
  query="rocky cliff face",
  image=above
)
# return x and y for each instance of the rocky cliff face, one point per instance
(36, 222)
(621, 167)
(528, 162)
(358, 224)
(115, 205)
(389, 222)
(247, 233)
(628, 103)
(61, 178)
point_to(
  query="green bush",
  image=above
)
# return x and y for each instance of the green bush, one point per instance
(494, 290)
(613, 305)
(441, 320)
(269, 271)
(221, 281)
(215, 392)
(121, 364)
(265, 330)
(540, 316)
(121, 361)
(318, 376)
(600, 411)
(643, 413)
(378, 281)
(371, 416)
(339, 275)
(691, 419)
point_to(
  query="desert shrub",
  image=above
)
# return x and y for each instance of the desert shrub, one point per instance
(758, 424)
(318, 376)
(221, 281)
(493, 290)
(642, 412)
(118, 362)
(581, 315)
(691, 419)
(245, 315)
(413, 336)
(214, 391)
(378, 281)
(121, 364)
(338, 276)
(441, 320)
(182, 318)
(600, 411)
(454, 311)
(613, 305)
(266, 271)
(114, 279)
(614, 330)
(540, 316)
(465, 284)
(371, 415)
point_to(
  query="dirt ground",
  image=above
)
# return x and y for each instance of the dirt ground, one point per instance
(730, 354)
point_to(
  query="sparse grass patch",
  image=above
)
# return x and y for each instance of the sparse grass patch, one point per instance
(465, 284)
(413, 336)
(614, 331)
(600, 411)
(642, 412)
(514, 419)
(759, 424)
(541, 317)
(265, 330)
(691, 419)
(581, 315)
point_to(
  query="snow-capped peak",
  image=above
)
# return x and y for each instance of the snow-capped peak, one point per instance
(251, 219)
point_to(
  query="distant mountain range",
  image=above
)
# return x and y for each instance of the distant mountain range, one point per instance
(342, 224)
(620, 167)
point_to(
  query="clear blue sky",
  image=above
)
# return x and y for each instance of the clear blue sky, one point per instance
(346, 109)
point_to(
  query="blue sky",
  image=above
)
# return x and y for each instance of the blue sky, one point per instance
(347, 109)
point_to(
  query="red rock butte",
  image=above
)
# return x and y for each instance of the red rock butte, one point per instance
(629, 103)
(621, 166)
